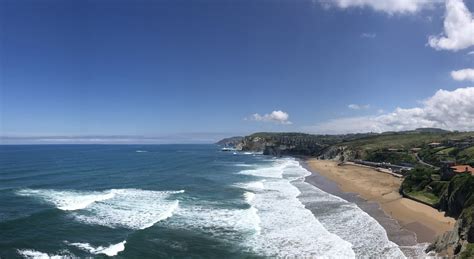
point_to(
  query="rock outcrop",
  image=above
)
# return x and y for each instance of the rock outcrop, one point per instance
(282, 144)
(230, 142)
(457, 201)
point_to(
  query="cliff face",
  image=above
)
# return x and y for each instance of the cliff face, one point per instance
(458, 201)
(230, 142)
(281, 144)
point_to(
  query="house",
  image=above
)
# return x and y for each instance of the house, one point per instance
(463, 169)
(449, 170)
(434, 144)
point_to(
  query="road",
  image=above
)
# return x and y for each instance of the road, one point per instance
(424, 163)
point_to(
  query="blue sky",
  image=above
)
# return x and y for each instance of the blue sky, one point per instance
(194, 71)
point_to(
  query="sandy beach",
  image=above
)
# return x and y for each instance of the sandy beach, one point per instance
(382, 188)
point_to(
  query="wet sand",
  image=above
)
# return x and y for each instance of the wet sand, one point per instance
(407, 222)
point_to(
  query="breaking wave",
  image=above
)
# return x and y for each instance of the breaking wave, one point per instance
(288, 229)
(33, 254)
(333, 222)
(127, 208)
(111, 250)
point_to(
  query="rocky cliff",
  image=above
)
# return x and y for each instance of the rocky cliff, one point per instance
(458, 201)
(230, 142)
(281, 144)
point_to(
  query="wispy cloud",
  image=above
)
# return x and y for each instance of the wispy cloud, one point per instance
(387, 6)
(452, 110)
(471, 52)
(368, 35)
(458, 28)
(358, 106)
(463, 74)
(278, 116)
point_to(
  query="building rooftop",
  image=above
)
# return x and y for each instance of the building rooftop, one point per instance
(463, 169)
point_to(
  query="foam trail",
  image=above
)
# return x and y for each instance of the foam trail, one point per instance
(111, 250)
(288, 229)
(243, 165)
(277, 224)
(29, 253)
(252, 186)
(69, 200)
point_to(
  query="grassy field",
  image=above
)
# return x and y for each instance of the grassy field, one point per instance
(424, 196)
(466, 156)
(404, 140)
(445, 151)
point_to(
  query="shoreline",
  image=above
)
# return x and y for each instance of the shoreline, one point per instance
(407, 222)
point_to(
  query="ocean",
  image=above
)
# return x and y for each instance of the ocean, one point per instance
(173, 201)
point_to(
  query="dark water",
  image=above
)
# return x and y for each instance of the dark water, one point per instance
(162, 201)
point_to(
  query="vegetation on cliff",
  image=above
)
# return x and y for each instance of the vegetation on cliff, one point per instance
(422, 183)
(279, 144)
(457, 201)
(230, 142)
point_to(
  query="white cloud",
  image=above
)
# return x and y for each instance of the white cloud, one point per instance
(388, 6)
(463, 74)
(275, 116)
(458, 28)
(451, 110)
(368, 35)
(471, 52)
(358, 107)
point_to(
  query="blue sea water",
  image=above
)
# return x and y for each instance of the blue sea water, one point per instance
(172, 201)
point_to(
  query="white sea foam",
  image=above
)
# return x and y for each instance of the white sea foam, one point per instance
(274, 171)
(141, 151)
(69, 200)
(252, 186)
(111, 250)
(345, 219)
(288, 229)
(128, 208)
(276, 224)
(29, 253)
(249, 196)
(418, 251)
(216, 222)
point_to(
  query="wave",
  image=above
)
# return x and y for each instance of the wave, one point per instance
(287, 228)
(276, 224)
(69, 200)
(111, 250)
(127, 208)
(252, 186)
(29, 253)
(344, 219)
(141, 151)
(249, 196)
(243, 165)
(274, 171)
(225, 224)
